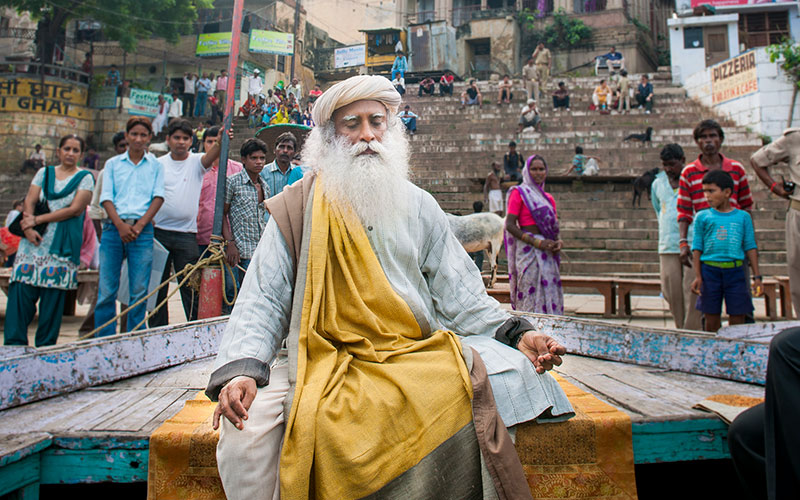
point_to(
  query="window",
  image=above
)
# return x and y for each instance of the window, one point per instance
(692, 38)
(763, 28)
(281, 63)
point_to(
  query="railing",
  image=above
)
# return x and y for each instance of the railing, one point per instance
(27, 68)
(463, 15)
(18, 33)
(422, 16)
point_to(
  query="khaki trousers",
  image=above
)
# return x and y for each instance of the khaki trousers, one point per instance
(249, 459)
(793, 254)
(532, 88)
(542, 74)
(676, 285)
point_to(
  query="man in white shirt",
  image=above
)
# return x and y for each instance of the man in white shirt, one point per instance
(254, 85)
(35, 161)
(176, 106)
(295, 89)
(529, 117)
(176, 221)
(189, 82)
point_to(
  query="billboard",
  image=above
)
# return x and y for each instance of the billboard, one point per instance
(735, 3)
(734, 78)
(145, 103)
(213, 44)
(29, 95)
(355, 55)
(271, 42)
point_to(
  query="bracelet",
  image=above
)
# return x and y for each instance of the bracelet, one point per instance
(34, 220)
(683, 244)
(772, 187)
(683, 240)
(757, 277)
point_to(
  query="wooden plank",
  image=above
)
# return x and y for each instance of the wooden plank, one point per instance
(14, 448)
(61, 466)
(193, 375)
(693, 352)
(168, 412)
(139, 414)
(55, 370)
(41, 416)
(108, 404)
(21, 474)
(756, 331)
(655, 442)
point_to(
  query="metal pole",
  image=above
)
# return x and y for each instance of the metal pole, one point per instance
(233, 61)
(294, 37)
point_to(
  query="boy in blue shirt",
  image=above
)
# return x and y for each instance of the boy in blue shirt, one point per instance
(722, 237)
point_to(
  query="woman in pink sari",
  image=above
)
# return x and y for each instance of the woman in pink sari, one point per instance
(533, 244)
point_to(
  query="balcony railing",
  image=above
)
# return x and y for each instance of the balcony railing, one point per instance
(26, 68)
(463, 15)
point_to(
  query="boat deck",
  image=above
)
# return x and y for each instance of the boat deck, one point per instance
(101, 433)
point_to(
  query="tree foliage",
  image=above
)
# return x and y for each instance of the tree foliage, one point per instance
(788, 53)
(564, 32)
(125, 21)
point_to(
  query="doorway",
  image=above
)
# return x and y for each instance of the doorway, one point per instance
(715, 41)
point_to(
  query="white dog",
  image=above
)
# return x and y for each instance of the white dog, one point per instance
(477, 232)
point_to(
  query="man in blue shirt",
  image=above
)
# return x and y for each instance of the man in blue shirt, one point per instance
(203, 87)
(409, 119)
(133, 191)
(613, 60)
(281, 173)
(676, 279)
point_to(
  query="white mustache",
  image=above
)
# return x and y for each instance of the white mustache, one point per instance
(374, 145)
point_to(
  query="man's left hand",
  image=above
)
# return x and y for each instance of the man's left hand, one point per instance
(543, 351)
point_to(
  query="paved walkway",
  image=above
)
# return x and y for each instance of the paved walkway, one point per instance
(647, 311)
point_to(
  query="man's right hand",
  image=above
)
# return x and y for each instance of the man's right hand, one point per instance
(232, 254)
(686, 256)
(126, 233)
(234, 401)
(778, 190)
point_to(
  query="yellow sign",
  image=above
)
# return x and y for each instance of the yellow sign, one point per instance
(50, 98)
(734, 78)
(214, 44)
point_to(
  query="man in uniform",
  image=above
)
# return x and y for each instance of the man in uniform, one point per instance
(339, 371)
(785, 149)
(544, 61)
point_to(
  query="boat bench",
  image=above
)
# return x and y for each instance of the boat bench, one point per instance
(606, 286)
(85, 276)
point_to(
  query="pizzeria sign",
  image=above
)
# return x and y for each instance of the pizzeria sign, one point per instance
(734, 78)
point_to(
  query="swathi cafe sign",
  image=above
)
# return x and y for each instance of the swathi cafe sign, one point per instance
(734, 78)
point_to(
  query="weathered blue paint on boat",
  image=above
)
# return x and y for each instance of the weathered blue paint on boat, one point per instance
(691, 352)
(670, 441)
(32, 376)
(99, 465)
(21, 477)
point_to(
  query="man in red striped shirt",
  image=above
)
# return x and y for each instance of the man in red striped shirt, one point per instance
(709, 136)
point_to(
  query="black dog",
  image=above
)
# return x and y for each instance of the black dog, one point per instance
(643, 138)
(643, 183)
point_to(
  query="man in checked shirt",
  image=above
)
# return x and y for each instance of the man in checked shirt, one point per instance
(244, 206)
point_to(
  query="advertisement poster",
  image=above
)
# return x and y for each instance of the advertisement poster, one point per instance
(271, 42)
(213, 44)
(355, 55)
(145, 102)
(734, 78)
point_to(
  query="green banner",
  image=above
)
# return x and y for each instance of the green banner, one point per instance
(271, 42)
(213, 44)
(145, 102)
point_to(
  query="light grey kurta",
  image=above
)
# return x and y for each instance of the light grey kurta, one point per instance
(430, 270)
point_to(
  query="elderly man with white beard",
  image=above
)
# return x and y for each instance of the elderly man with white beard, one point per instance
(363, 358)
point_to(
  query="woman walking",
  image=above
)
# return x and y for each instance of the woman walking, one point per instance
(533, 244)
(48, 257)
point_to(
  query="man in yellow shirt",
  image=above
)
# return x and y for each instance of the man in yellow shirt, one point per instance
(600, 95)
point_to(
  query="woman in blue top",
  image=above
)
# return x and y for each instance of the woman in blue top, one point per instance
(48, 257)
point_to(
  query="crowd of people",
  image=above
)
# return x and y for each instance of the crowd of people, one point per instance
(76, 217)
(279, 105)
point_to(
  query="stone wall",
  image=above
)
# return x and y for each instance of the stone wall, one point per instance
(503, 34)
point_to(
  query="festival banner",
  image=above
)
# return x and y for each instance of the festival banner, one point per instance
(50, 98)
(734, 3)
(144, 102)
(271, 42)
(213, 44)
(345, 57)
(734, 78)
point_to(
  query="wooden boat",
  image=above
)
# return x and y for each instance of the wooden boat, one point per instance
(84, 412)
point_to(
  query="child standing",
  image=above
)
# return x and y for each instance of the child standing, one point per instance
(722, 237)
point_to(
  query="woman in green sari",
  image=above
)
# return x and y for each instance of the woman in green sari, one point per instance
(48, 257)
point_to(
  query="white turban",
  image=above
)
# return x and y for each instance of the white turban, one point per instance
(356, 88)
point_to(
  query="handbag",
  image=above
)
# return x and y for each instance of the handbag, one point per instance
(40, 208)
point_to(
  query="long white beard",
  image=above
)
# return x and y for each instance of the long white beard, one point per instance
(375, 186)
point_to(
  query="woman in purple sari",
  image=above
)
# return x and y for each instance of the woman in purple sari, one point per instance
(532, 243)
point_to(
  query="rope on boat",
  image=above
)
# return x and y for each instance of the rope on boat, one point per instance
(216, 257)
